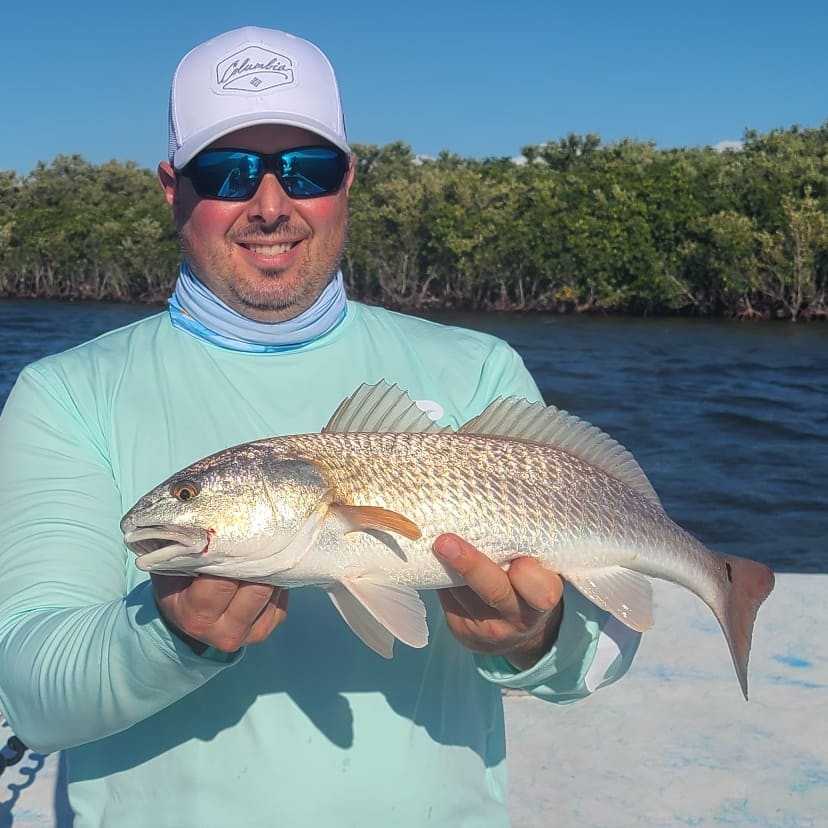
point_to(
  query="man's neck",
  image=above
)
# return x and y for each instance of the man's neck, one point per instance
(196, 309)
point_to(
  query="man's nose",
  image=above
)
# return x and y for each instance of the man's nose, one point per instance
(269, 202)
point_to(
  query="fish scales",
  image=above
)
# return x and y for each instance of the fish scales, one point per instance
(508, 498)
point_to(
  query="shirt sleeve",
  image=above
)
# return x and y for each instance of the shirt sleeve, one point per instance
(592, 649)
(82, 656)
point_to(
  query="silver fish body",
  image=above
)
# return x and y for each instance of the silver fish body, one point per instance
(356, 512)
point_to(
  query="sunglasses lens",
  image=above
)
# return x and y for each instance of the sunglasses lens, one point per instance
(226, 174)
(312, 171)
(235, 175)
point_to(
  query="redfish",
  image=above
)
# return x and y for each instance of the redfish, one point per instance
(355, 510)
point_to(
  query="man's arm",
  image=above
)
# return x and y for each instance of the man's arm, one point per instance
(82, 655)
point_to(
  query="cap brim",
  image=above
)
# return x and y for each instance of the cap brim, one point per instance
(197, 142)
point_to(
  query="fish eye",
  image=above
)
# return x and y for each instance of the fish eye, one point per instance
(184, 491)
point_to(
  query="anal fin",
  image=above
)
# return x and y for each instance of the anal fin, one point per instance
(626, 595)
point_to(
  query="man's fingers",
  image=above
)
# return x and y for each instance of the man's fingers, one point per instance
(220, 611)
(465, 603)
(514, 612)
(451, 606)
(248, 602)
(539, 587)
(206, 599)
(273, 613)
(164, 586)
(480, 573)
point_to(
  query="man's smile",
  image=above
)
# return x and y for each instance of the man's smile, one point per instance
(272, 249)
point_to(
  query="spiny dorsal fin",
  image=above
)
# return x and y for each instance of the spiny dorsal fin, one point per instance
(381, 408)
(518, 419)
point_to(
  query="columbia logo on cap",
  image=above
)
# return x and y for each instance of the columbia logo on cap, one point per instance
(254, 70)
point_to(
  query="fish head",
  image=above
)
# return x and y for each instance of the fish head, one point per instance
(241, 504)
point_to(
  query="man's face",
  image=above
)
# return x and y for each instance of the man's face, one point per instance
(271, 256)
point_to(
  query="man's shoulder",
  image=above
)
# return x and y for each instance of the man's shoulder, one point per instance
(116, 344)
(461, 369)
(428, 332)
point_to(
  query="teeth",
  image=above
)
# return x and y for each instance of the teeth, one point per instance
(270, 249)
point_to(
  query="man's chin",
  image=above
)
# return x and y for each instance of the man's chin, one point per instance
(270, 305)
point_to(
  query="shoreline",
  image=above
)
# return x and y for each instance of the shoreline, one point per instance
(460, 308)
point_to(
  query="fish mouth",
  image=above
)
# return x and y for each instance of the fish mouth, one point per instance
(161, 546)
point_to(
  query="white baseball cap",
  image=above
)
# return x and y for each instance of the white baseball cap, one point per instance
(247, 77)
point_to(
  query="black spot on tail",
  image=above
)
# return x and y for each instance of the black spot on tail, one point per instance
(729, 572)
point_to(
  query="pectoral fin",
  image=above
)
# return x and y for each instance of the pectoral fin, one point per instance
(378, 612)
(623, 593)
(360, 518)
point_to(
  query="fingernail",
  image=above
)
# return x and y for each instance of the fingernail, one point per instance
(449, 549)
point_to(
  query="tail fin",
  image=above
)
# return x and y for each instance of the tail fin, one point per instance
(749, 583)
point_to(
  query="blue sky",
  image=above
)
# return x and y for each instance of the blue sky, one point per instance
(475, 78)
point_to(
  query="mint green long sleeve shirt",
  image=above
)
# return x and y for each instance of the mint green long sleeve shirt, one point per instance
(309, 727)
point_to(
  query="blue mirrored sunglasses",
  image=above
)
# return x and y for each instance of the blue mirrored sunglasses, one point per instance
(235, 174)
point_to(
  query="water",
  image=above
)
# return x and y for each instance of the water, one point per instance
(729, 420)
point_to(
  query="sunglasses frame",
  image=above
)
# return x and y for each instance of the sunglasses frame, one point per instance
(272, 163)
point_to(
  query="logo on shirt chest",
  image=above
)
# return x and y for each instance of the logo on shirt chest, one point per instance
(433, 410)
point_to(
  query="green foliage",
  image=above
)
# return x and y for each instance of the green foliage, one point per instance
(576, 226)
(79, 231)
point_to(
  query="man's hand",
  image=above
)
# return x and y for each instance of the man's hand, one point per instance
(515, 614)
(218, 612)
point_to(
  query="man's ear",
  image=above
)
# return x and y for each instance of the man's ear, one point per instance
(168, 181)
(349, 176)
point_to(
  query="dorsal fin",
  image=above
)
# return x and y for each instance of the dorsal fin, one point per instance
(518, 419)
(382, 408)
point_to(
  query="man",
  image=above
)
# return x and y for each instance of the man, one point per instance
(213, 702)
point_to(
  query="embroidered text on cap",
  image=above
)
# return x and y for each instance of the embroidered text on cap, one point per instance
(254, 69)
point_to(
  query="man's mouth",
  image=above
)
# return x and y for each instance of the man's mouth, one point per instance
(269, 249)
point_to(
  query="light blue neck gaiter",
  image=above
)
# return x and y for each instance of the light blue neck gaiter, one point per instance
(197, 310)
